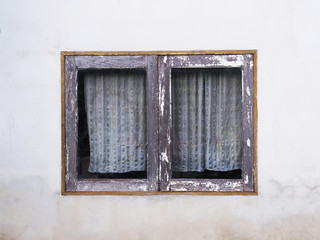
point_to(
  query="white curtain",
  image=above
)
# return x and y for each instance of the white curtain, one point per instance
(207, 129)
(206, 121)
(116, 114)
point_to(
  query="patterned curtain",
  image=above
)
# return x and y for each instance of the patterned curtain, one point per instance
(207, 129)
(116, 114)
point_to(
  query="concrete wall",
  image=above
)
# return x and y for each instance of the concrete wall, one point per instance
(286, 34)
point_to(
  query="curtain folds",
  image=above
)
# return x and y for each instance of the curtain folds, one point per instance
(116, 116)
(206, 121)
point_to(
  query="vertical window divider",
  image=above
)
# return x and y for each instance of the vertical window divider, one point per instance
(165, 160)
(152, 123)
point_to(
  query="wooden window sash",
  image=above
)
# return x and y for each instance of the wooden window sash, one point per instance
(70, 151)
(165, 64)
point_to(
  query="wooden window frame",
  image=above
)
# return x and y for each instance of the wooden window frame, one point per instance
(158, 65)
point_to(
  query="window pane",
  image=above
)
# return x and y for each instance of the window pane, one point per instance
(206, 123)
(114, 106)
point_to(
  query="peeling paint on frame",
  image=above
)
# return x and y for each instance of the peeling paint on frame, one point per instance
(219, 58)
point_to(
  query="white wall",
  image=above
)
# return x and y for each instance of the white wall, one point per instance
(286, 34)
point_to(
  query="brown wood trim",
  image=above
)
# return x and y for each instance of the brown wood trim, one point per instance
(198, 52)
(161, 193)
(63, 138)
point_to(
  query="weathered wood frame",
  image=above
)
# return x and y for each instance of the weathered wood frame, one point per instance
(246, 63)
(72, 64)
(158, 168)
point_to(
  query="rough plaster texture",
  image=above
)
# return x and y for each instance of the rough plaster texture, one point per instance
(286, 34)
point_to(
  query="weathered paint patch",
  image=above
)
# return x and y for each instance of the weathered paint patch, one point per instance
(211, 61)
(246, 179)
(164, 156)
(161, 99)
(232, 185)
(141, 188)
(165, 59)
(248, 142)
(251, 64)
(237, 61)
(181, 189)
(248, 91)
(212, 187)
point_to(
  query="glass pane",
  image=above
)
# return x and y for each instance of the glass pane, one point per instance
(206, 123)
(112, 123)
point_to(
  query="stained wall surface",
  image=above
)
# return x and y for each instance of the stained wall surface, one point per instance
(286, 34)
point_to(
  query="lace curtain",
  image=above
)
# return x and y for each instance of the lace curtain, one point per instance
(206, 121)
(116, 115)
(207, 129)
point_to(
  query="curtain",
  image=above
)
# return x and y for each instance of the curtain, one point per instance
(116, 115)
(206, 119)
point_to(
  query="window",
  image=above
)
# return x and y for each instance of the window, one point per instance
(159, 122)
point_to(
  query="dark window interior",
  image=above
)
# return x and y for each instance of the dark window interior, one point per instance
(234, 174)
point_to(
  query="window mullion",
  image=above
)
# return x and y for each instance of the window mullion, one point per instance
(164, 124)
(152, 123)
